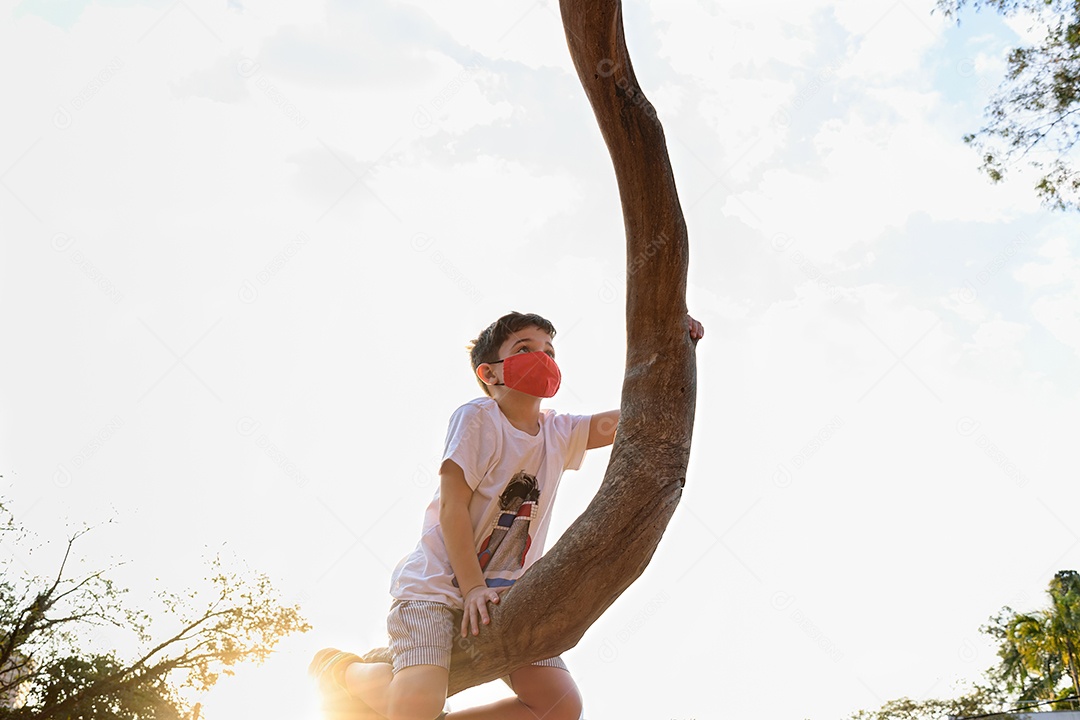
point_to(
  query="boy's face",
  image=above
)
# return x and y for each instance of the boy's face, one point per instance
(529, 339)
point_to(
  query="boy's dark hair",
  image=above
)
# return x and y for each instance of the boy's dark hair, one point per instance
(485, 348)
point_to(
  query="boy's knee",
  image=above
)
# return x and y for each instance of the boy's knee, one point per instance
(417, 706)
(417, 693)
(567, 707)
(549, 692)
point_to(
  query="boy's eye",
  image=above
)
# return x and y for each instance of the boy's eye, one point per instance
(527, 349)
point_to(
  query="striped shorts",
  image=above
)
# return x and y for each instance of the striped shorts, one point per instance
(424, 633)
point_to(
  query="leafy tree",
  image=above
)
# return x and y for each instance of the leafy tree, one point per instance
(48, 668)
(1034, 117)
(1038, 664)
(979, 701)
(1040, 650)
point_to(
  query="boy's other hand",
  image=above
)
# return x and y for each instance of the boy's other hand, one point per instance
(697, 330)
(476, 612)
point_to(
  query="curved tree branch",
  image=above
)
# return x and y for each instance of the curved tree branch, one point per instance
(549, 609)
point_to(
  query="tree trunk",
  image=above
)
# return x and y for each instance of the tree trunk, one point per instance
(609, 545)
(1073, 666)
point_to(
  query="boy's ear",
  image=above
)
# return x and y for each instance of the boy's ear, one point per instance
(486, 374)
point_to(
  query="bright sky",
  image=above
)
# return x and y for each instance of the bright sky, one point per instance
(245, 244)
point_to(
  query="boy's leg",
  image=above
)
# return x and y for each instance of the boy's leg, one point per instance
(343, 707)
(331, 667)
(370, 684)
(547, 693)
(415, 692)
(371, 691)
(421, 635)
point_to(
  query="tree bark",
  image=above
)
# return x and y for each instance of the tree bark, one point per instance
(609, 545)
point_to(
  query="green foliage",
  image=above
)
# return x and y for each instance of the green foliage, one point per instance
(1038, 664)
(69, 683)
(47, 669)
(1040, 650)
(979, 701)
(1034, 117)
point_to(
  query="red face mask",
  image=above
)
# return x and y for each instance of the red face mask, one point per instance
(533, 373)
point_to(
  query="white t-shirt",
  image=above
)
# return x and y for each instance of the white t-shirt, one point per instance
(514, 477)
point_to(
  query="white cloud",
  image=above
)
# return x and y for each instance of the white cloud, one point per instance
(1057, 306)
(999, 334)
(996, 348)
(1060, 314)
(964, 303)
(224, 81)
(1043, 274)
(883, 162)
(62, 15)
(1030, 28)
(891, 38)
(712, 41)
(522, 31)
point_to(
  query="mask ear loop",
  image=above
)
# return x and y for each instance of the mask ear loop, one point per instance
(496, 362)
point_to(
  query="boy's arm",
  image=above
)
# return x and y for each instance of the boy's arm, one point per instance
(602, 426)
(457, 532)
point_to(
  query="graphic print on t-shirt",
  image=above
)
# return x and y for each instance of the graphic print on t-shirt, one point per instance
(503, 551)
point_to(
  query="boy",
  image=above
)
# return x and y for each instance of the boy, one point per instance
(486, 525)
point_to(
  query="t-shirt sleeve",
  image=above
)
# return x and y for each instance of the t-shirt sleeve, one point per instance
(574, 429)
(471, 442)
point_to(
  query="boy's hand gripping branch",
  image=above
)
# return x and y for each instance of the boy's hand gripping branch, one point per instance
(476, 610)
